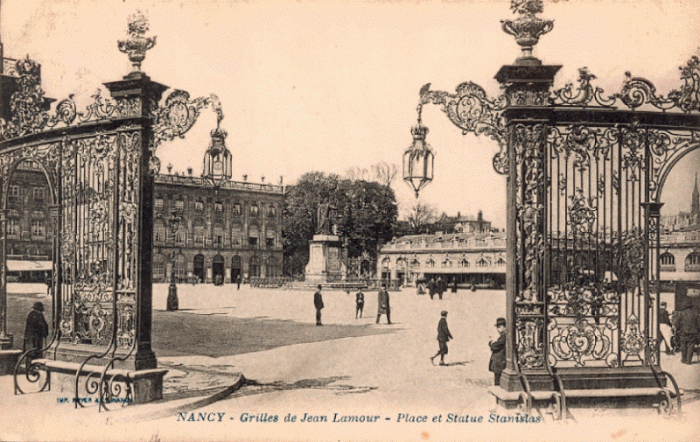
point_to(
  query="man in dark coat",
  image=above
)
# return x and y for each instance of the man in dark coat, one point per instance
(665, 328)
(318, 303)
(359, 303)
(688, 326)
(238, 282)
(431, 288)
(383, 301)
(443, 336)
(440, 287)
(36, 329)
(498, 351)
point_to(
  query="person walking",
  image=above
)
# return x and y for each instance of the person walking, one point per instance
(359, 303)
(35, 330)
(688, 326)
(383, 307)
(440, 287)
(238, 281)
(443, 336)
(665, 328)
(498, 351)
(318, 303)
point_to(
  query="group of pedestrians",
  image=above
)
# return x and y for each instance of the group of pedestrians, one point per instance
(438, 287)
(383, 307)
(498, 347)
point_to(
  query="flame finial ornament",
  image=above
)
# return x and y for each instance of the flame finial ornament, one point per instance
(527, 28)
(137, 44)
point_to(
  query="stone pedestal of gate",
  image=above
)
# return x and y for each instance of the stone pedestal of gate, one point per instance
(324, 260)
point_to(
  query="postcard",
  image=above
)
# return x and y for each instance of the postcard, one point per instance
(350, 220)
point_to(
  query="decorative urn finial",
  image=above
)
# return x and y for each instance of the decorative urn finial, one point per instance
(137, 44)
(527, 28)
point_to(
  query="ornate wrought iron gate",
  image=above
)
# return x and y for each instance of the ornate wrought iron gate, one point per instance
(585, 173)
(100, 165)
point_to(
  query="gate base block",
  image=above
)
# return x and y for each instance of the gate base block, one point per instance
(146, 385)
(8, 360)
(584, 378)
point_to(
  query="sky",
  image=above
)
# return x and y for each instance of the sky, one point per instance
(328, 85)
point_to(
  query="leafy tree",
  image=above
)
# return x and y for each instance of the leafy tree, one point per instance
(364, 215)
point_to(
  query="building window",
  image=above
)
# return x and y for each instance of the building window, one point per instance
(271, 212)
(14, 194)
(501, 262)
(13, 226)
(254, 210)
(158, 267)
(430, 263)
(158, 203)
(252, 241)
(482, 263)
(415, 264)
(446, 263)
(236, 210)
(38, 228)
(218, 207)
(692, 262)
(218, 237)
(199, 206)
(199, 235)
(270, 243)
(464, 263)
(179, 205)
(159, 232)
(180, 236)
(38, 194)
(668, 259)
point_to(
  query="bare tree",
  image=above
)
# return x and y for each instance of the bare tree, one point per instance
(385, 173)
(382, 173)
(356, 173)
(420, 217)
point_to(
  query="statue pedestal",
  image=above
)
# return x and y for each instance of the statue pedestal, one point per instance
(324, 259)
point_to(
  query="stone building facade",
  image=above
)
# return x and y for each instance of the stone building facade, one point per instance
(228, 229)
(468, 258)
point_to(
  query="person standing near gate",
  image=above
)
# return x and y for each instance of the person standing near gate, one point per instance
(498, 351)
(35, 330)
(359, 303)
(443, 336)
(383, 307)
(318, 303)
(688, 326)
(665, 327)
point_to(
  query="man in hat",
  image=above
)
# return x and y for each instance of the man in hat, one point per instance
(359, 302)
(443, 336)
(665, 327)
(498, 351)
(688, 326)
(383, 307)
(36, 329)
(318, 303)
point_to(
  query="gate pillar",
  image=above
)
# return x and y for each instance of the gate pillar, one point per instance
(139, 96)
(526, 86)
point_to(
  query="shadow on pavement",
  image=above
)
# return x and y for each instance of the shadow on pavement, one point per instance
(179, 334)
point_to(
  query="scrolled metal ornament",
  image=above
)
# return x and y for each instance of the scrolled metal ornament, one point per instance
(687, 98)
(585, 93)
(470, 109)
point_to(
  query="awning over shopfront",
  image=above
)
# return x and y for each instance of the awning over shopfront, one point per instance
(29, 266)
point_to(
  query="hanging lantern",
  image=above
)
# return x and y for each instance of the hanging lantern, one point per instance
(418, 160)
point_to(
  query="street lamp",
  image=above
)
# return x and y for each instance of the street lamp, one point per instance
(418, 159)
(174, 222)
(584, 177)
